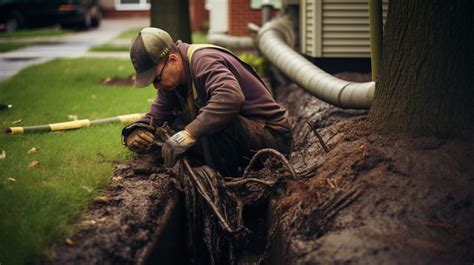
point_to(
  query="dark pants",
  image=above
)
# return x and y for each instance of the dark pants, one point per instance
(229, 151)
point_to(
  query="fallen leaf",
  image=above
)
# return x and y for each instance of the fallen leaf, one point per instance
(33, 150)
(35, 163)
(69, 241)
(101, 199)
(87, 188)
(3, 155)
(88, 222)
(101, 219)
(106, 80)
(11, 179)
(17, 121)
(117, 178)
(72, 117)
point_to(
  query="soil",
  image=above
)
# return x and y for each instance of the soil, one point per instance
(372, 199)
(121, 222)
(416, 205)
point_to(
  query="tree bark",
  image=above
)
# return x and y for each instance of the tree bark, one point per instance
(425, 85)
(172, 16)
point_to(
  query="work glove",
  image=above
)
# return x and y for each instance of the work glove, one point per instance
(139, 140)
(176, 145)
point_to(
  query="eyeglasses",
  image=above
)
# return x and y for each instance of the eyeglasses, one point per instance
(159, 77)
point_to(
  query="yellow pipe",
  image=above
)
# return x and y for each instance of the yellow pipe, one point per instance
(125, 119)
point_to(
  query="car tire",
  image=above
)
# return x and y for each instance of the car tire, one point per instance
(86, 22)
(97, 19)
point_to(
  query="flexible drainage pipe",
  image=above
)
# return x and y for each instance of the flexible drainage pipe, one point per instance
(276, 39)
(237, 42)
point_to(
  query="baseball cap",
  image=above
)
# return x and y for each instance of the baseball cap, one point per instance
(149, 47)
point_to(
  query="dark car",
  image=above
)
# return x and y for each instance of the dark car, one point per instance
(21, 14)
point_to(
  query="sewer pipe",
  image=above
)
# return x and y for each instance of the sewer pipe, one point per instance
(276, 40)
(227, 41)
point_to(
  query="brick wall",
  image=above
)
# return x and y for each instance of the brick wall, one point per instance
(240, 14)
(198, 15)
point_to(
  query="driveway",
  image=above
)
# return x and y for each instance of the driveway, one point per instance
(69, 46)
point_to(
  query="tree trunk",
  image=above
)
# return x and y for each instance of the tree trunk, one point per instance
(425, 85)
(172, 16)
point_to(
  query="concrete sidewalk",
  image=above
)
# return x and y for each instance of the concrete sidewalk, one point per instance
(69, 46)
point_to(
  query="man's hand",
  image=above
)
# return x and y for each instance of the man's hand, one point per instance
(139, 140)
(176, 145)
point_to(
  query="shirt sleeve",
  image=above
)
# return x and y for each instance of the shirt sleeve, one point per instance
(223, 92)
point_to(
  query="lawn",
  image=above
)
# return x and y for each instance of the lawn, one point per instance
(10, 46)
(128, 35)
(23, 37)
(39, 200)
(30, 33)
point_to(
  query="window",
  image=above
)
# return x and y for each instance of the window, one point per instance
(257, 4)
(132, 4)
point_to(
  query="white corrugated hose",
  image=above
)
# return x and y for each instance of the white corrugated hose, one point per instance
(236, 42)
(276, 39)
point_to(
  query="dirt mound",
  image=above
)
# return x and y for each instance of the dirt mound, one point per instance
(417, 201)
(122, 221)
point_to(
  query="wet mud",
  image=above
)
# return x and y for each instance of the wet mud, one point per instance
(121, 223)
(416, 201)
(372, 199)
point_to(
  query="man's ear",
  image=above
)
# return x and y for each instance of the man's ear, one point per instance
(173, 58)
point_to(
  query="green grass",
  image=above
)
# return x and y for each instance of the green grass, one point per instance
(110, 48)
(5, 47)
(39, 204)
(128, 34)
(197, 37)
(46, 32)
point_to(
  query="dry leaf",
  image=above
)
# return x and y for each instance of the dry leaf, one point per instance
(88, 222)
(35, 163)
(87, 188)
(107, 80)
(3, 155)
(72, 117)
(69, 241)
(11, 180)
(117, 178)
(17, 121)
(101, 199)
(33, 150)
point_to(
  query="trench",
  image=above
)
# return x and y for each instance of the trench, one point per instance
(169, 244)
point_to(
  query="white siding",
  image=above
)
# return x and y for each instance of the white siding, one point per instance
(336, 28)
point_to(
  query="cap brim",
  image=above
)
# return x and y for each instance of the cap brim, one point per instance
(145, 78)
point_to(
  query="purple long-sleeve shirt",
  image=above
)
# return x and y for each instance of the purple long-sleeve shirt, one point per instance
(226, 87)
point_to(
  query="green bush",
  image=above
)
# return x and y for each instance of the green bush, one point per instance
(260, 64)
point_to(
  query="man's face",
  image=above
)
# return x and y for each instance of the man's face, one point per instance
(168, 74)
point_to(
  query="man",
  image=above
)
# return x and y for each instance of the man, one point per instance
(228, 111)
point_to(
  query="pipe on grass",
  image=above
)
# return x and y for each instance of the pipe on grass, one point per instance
(125, 119)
